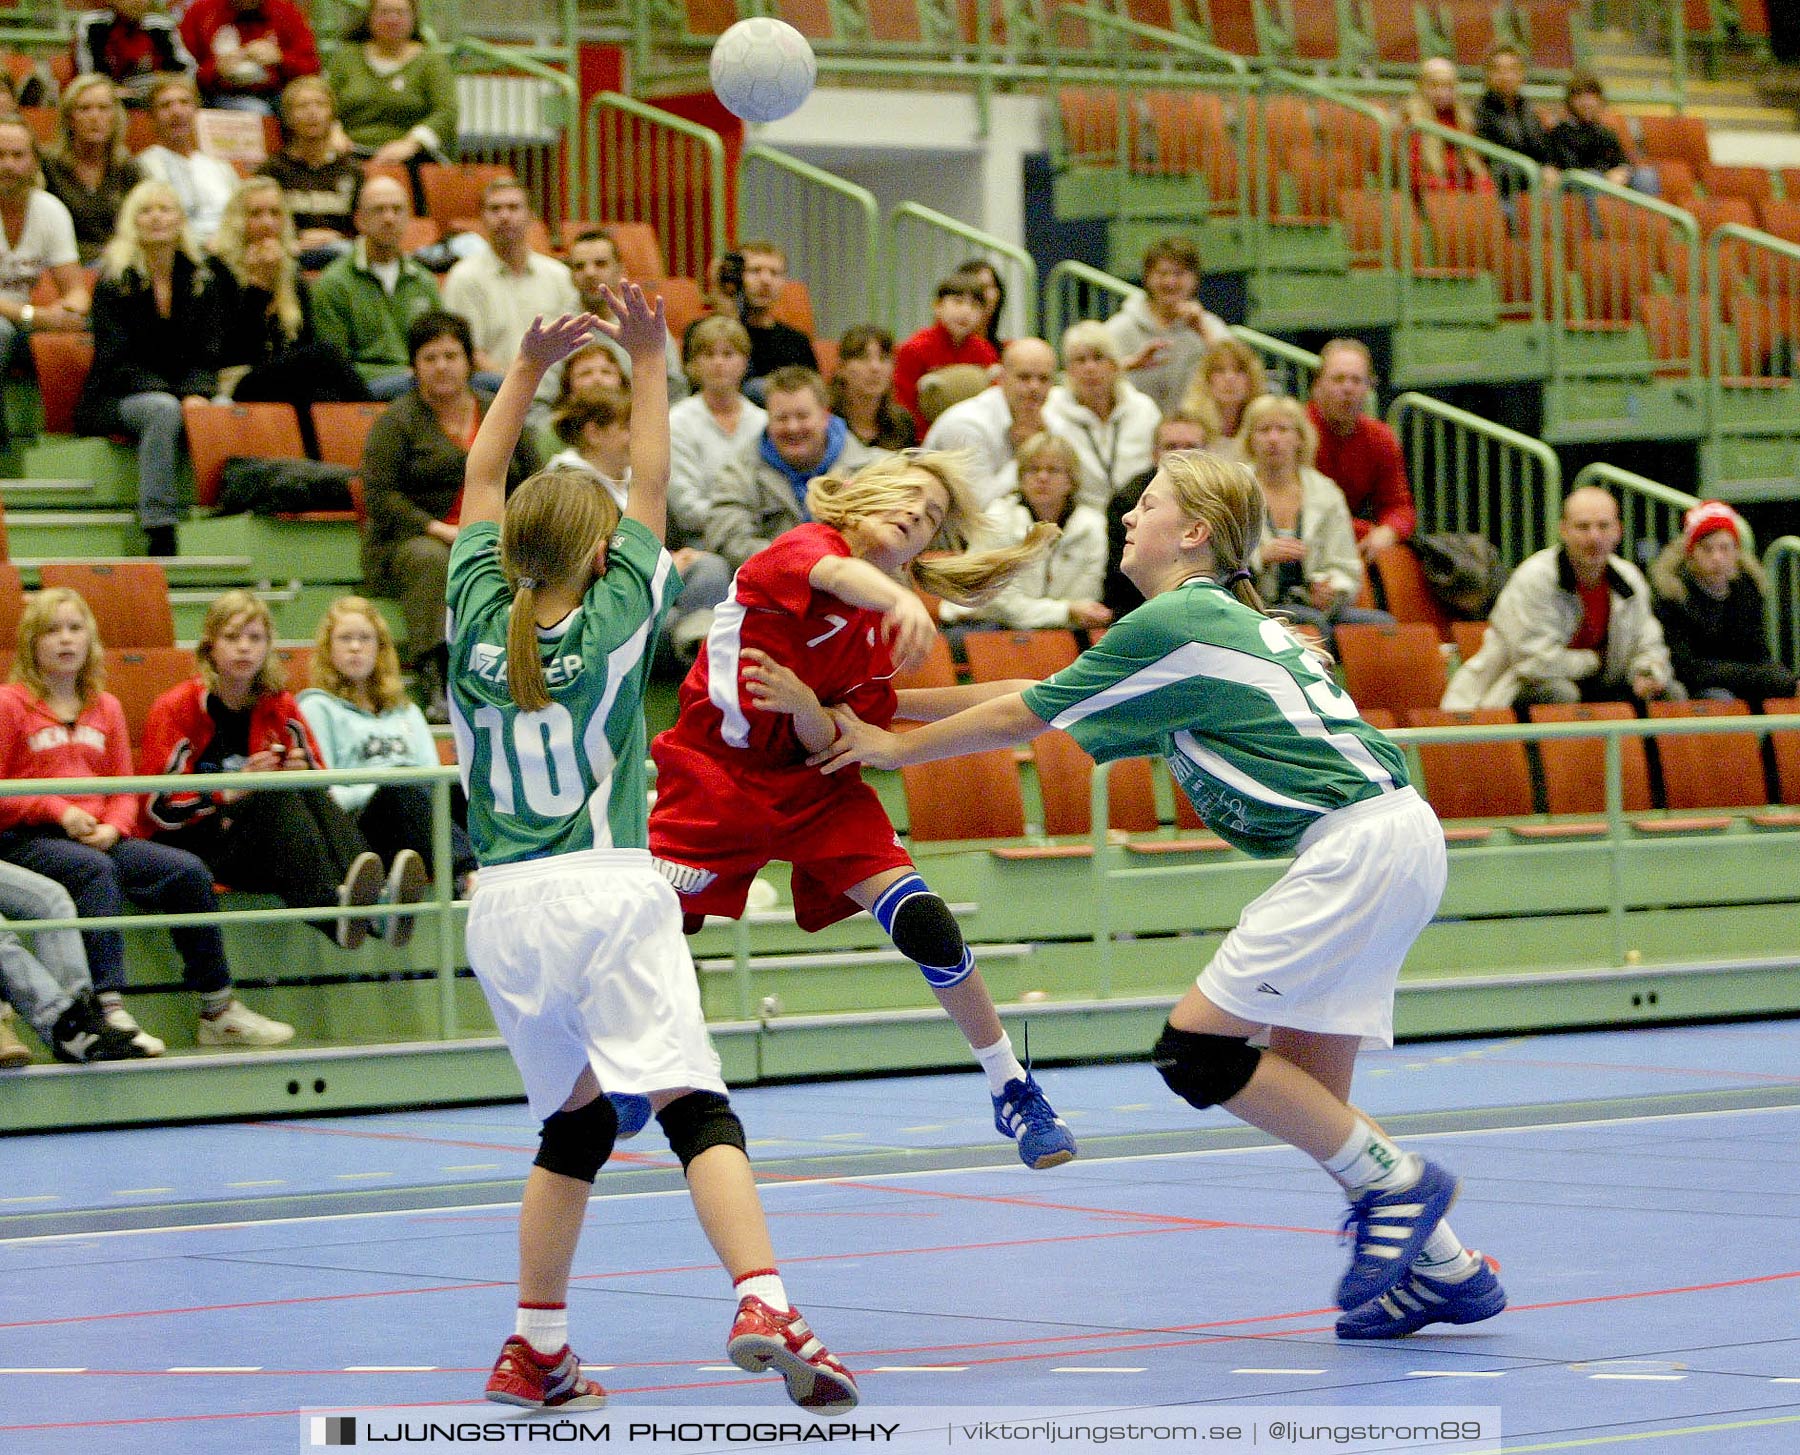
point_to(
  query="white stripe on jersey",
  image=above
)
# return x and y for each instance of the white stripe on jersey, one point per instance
(724, 643)
(621, 661)
(1247, 669)
(1233, 777)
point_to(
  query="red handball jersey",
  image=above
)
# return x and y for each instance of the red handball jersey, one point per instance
(835, 648)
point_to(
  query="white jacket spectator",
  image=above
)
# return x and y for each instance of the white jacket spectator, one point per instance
(999, 420)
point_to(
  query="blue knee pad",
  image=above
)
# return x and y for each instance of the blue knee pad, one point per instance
(923, 929)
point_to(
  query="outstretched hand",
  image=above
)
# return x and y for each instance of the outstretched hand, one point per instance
(637, 323)
(547, 343)
(857, 742)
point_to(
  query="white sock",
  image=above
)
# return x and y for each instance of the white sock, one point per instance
(1444, 1256)
(999, 1063)
(764, 1283)
(545, 1326)
(1369, 1160)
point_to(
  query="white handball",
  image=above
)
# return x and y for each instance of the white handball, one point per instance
(762, 69)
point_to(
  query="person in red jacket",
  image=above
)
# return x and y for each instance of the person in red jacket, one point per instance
(56, 721)
(955, 338)
(237, 716)
(247, 50)
(1359, 454)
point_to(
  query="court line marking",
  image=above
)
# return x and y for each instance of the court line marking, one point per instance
(1654, 1378)
(1594, 1440)
(874, 1179)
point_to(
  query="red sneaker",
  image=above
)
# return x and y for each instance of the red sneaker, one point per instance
(522, 1377)
(762, 1338)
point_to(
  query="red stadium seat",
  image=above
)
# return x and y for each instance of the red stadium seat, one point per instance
(1396, 667)
(130, 599)
(1473, 780)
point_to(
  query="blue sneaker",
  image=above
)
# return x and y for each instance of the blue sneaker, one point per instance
(1388, 1228)
(1022, 1113)
(633, 1112)
(1420, 1299)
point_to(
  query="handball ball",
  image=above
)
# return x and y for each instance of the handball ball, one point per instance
(762, 69)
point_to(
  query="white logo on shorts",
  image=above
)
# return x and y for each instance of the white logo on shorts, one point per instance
(685, 877)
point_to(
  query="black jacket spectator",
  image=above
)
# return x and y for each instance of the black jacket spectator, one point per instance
(131, 52)
(775, 346)
(1717, 644)
(1586, 146)
(1515, 125)
(95, 212)
(138, 351)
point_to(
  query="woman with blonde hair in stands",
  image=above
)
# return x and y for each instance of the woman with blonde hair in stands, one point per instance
(1062, 587)
(823, 617)
(58, 721)
(159, 319)
(237, 716)
(271, 355)
(1277, 761)
(1434, 165)
(361, 716)
(89, 167)
(1307, 564)
(1111, 423)
(1226, 381)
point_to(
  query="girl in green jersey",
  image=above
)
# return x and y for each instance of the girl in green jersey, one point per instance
(574, 936)
(1276, 759)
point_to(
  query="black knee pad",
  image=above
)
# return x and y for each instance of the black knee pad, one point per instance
(925, 931)
(1204, 1070)
(699, 1120)
(577, 1143)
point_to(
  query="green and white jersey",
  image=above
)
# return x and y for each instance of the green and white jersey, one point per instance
(1257, 734)
(569, 777)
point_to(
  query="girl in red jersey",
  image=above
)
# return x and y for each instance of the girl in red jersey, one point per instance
(821, 619)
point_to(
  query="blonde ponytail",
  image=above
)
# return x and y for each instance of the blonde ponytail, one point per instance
(554, 524)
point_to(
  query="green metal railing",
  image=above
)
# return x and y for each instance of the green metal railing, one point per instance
(441, 904)
(830, 228)
(1781, 603)
(1073, 291)
(1472, 236)
(1753, 280)
(644, 164)
(1352, 127)
(546, 162)
(1470, 474)
(1113, 870)
(924, 246)
(1629, 253)
(1290, 368)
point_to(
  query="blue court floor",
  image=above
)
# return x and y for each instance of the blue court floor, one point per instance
(192, 1289)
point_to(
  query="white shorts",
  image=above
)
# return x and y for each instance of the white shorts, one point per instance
(583, 963)
(1321, 949)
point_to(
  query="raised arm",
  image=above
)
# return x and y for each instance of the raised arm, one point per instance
(484, 476)
(640, 330)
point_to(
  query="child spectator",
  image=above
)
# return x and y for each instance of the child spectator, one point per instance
(993, 299)
(712, 424)
(1709, 599)
(57, 721)
(1062, 588)
(862, 390)
(51, 989)
(361, 717)
(237, 716)
(952, 339)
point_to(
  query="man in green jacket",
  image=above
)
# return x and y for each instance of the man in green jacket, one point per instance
(364, 302)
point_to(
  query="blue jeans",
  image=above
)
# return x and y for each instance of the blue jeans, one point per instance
(149, 875)
(155, 418)
(41, 986)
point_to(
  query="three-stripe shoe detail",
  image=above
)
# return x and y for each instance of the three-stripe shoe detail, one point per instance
(1387, 1228)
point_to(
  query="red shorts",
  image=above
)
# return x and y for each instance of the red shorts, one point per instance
(727, 821)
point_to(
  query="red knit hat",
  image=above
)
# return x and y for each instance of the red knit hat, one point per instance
(1707, 517)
